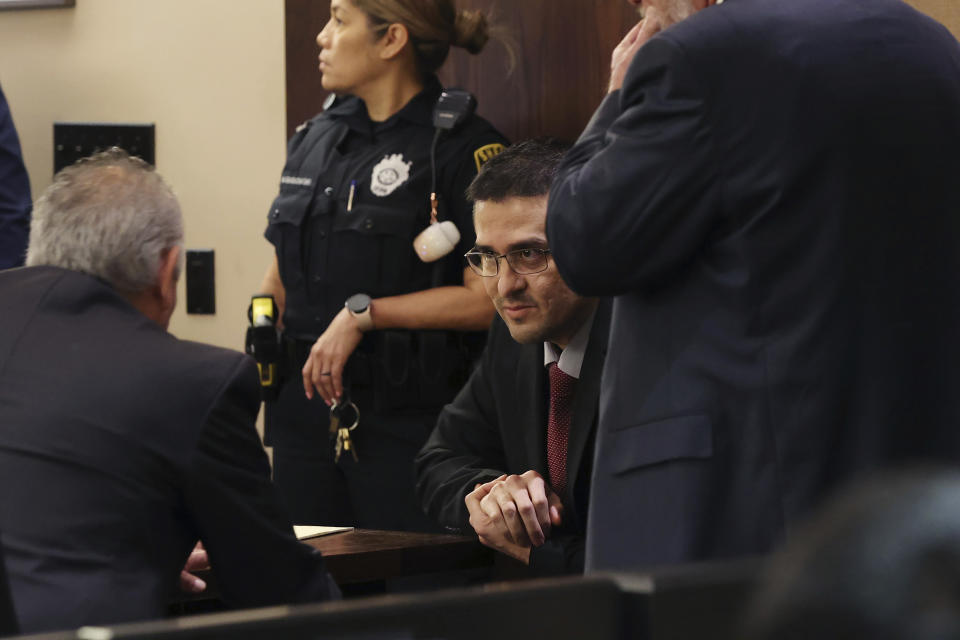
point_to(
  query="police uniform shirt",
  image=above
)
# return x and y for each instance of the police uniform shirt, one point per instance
(354, 194)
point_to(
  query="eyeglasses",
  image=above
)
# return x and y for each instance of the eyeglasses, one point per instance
(522, 261)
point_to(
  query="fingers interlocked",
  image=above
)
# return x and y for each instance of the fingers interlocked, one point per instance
(523, 504)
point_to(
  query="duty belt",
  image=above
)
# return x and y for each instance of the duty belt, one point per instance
(296, 351)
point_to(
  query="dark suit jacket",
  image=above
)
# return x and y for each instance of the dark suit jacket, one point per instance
(773, 197)
(120, 446)
(15, 203)
(498, 424)
(8, 618)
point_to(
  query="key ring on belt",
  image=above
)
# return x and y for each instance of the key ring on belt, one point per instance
(338, 408)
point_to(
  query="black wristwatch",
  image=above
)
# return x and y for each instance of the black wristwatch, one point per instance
(359, 306)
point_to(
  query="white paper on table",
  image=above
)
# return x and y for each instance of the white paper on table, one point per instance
(303, 531)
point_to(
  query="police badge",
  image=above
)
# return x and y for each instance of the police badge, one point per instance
(388, 174)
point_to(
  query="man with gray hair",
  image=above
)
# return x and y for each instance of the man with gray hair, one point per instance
(120, 445)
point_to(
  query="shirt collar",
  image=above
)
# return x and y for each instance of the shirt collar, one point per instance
(570, 360)
(419, 110)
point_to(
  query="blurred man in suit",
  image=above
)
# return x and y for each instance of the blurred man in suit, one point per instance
(15, 202)
(120, 445)
(511, 455)
(770, 190)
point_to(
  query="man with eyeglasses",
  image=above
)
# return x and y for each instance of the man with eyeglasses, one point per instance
(511, 456)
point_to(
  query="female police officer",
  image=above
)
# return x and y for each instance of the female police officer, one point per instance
(364, 318)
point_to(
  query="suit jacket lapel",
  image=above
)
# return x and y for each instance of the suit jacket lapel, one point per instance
(587, 397)
(531, 394)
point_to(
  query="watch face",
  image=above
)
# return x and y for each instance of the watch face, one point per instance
(358, 303)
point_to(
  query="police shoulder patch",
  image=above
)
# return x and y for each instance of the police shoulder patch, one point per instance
(484, 153)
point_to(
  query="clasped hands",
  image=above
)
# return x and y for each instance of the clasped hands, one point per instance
(514, 513)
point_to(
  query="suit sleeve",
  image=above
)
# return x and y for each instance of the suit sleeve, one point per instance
(561, 554)
(15, 203)
(465, 448)
(253, 552)
(637, 195)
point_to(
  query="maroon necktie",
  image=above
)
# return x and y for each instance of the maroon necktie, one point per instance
(558, 425)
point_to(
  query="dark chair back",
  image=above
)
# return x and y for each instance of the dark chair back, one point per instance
(698, 601)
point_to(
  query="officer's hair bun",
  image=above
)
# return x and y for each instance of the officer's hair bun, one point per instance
(470, 30)
(434, 26)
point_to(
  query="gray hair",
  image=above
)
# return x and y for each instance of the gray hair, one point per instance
(111, 216)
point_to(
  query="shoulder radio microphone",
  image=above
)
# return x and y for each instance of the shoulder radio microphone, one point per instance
(453, 107)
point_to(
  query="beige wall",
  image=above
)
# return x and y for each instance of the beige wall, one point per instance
(209, 73)
(946, 11)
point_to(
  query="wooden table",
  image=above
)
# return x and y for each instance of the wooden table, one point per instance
(364, 555)
(362, 560)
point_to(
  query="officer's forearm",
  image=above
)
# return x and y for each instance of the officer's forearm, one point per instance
(458, 308)
(272, 285)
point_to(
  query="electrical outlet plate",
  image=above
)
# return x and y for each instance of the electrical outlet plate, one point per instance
(75, 140)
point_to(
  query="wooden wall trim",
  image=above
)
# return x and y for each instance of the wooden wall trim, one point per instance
(563, 56)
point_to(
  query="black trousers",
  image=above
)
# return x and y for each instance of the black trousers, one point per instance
(375, 493)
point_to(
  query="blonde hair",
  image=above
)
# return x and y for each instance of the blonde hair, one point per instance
(434, 26)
